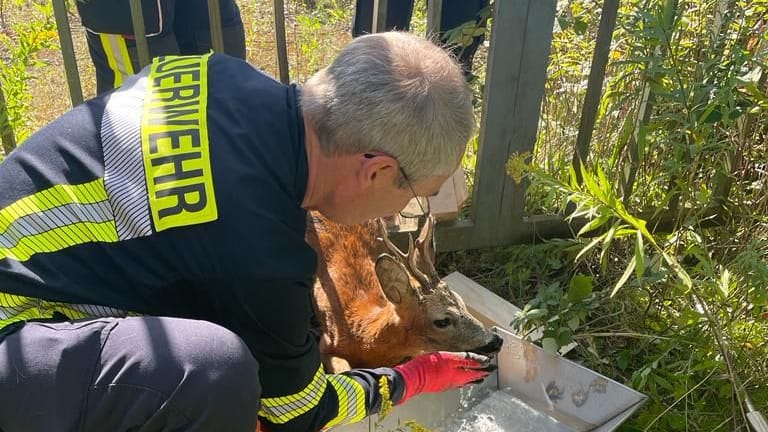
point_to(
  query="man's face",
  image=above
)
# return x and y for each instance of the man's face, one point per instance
(354, 203)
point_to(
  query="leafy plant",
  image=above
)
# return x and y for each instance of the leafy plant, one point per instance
(21, 46)
(707, 326)
(558, 312)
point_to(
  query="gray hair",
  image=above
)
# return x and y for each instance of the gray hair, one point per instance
(395, 93)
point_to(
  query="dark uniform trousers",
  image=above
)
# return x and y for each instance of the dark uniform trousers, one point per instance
(173, 27)
(453, 14)
(127, 374)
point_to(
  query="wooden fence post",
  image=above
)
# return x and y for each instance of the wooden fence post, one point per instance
(139, 32)
(434, 14)
(521, 37)
(595, 83)
(214, 20)
(282, 49)
(379, 16)
(68, 52)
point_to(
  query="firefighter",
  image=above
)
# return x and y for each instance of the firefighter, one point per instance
(153, 269)
(453, 13)
(171, 27)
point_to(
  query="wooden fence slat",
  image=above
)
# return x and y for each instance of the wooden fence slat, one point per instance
(434, 14)
(282, 47)
(499, 111)
(214, 19)
(68, 52)
(515, 81)
(379, 15)
(454, 235)
(524, 126)
(595, 83)
(139, 32)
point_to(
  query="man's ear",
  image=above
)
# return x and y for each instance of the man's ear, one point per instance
(377, 168)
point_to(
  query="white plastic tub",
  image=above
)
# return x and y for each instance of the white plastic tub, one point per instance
(531, 391)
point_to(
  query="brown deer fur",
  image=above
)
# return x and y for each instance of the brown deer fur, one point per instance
(378, 306)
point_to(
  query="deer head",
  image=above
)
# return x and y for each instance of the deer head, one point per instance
(438, 316)
(377, 305)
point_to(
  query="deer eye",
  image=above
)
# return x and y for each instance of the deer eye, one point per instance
(442, 323)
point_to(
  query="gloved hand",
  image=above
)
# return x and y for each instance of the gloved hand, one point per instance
(440, 371)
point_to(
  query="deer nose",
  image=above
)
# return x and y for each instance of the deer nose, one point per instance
(491, 347)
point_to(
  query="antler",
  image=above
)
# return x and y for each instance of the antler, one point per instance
(409, 259)
(384, 236)
(425, 244)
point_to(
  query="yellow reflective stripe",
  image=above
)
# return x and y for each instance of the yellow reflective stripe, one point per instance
(60, 238)
(283, 409)
(351, 400)
(19, 308)
(118, 59)
(58, 195)
(174, 143)
(124, 57)
(106, 43)
(56, 218)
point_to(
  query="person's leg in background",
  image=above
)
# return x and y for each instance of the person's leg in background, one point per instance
(193, 28)
(115, 56)
(398, 16)
(127, 374)
(111, 44)
(455, 13)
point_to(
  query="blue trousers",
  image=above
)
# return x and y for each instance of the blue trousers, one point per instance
(454, 13)
(121, 374)
(174, 27)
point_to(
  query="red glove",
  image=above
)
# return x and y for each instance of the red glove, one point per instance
(440, 371)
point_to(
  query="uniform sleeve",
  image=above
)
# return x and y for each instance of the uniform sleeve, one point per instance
(273, 318)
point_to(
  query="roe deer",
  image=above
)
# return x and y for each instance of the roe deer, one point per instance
(378, 306)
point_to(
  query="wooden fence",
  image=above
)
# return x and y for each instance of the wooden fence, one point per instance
(518, 56)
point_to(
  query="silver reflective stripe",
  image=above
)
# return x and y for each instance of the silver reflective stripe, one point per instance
(117, 56)
(351, 400)
(57, 217)
(123, 163)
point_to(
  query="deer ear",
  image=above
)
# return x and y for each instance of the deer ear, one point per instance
(393, 278)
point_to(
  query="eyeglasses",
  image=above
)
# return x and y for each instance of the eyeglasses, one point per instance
(410, 211)
(421, 203)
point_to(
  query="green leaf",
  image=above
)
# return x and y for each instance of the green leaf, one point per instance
(725, 283)
(663, 382)
(573, 323)
(564, 336)
(679, 271)
(594, 224)
(536, 313)
(759, 296)
(623, 361)
(579, 288)
(587, 248)
(624, 277)
(639, 256)
(607, 240)
(580, 27)
(549, 345)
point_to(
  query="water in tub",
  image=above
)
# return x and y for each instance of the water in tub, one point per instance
(500, 411)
